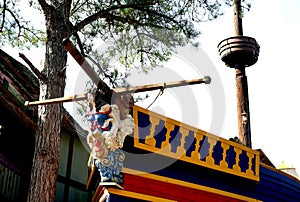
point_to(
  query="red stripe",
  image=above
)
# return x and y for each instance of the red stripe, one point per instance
(165, 190)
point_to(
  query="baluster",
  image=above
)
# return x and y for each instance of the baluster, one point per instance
(1, 177)
(17, 187)
(195, 154)
(209, 159)
(180, 150)
(13, 186)
(3, 191)
(9, 183)
(223, 163)
(236, 166)
(150, 140)
(249, 171)
(166, 146)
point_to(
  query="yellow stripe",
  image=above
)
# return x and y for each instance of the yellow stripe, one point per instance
(189, 185)
(135, 195)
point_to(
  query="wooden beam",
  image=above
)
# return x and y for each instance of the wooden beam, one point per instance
(80, 59)
(56, 100)
(136, 89)
(150, 87)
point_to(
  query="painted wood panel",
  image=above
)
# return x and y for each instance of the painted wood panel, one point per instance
(162, 135)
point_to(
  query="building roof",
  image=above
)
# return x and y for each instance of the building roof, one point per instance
(20, 84)
(288, 169)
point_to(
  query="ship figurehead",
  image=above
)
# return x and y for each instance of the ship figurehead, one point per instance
(109, 123)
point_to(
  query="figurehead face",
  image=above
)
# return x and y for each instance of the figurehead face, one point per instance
(105, 108)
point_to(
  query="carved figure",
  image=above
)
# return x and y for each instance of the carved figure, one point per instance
(106, 137)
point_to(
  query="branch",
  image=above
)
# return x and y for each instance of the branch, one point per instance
(102, 13)
(74, 9)
(3, 15)
(67, 7)
(32, 67)
(16, 19)
(44, 5)
(153, 12)
(21, 25)
(101, 70)
(79, 44)
(133, 21)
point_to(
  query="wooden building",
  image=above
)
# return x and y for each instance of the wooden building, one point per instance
(18, 124)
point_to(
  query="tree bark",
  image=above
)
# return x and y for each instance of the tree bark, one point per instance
(47, 138)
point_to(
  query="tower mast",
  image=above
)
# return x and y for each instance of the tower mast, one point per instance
(239, 52)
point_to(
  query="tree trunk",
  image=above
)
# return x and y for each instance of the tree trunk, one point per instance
(47, 138)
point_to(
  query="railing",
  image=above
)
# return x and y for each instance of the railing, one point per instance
(156, 133)
(9, 181)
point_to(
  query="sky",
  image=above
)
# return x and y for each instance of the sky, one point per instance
(272, 82)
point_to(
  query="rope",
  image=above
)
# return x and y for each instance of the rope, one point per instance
(159, 94)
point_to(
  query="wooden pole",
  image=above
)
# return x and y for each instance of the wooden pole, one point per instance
(80, 59)
(150, 87)
(135, 89)
(56, 100)
(243, 111)
(237, 18)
